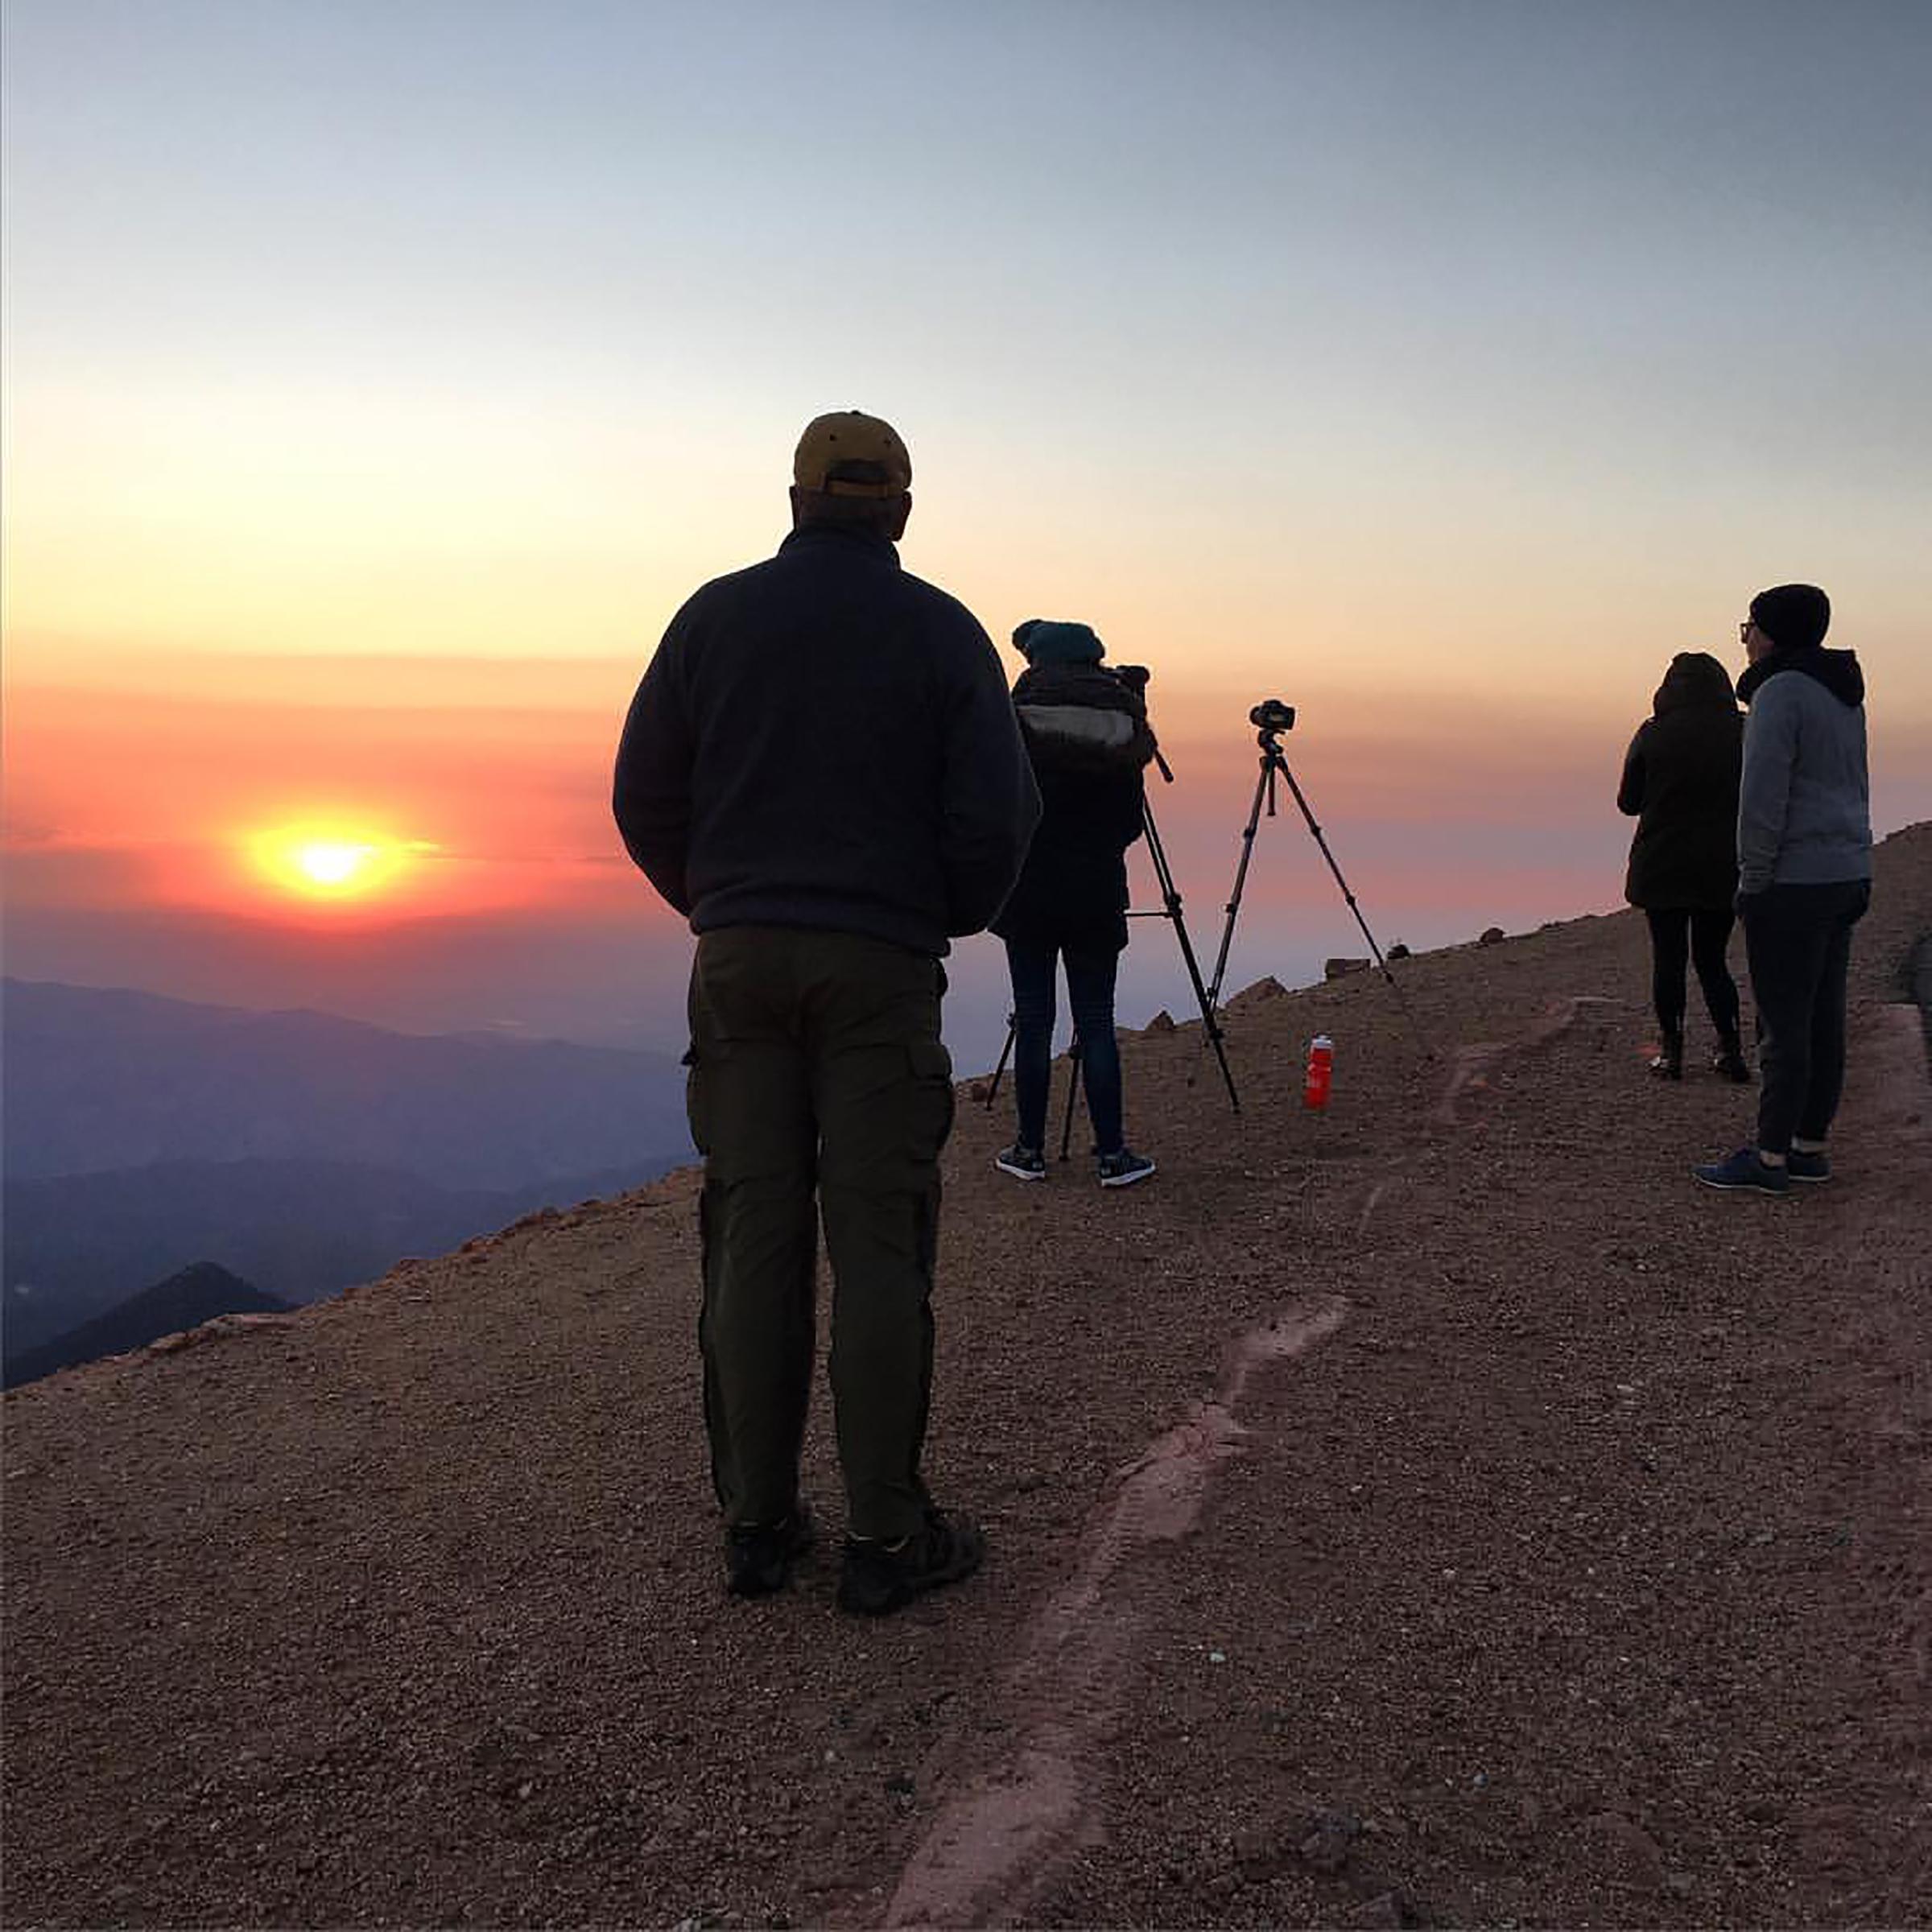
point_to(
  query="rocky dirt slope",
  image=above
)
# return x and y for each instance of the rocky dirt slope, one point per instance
(1434, 1511)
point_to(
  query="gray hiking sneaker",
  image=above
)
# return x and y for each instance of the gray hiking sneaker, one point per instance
(1122, 1169)
(1024, 1163)
(758, 1557)
(1803, 1165)
(878, 1578)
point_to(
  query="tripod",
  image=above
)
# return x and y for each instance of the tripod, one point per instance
(1170, 908)
(1274, 718)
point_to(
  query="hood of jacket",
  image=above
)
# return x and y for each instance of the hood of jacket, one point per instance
(1695, 678)
(1837, 671)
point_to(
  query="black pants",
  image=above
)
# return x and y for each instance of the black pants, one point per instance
(819, 1090)
(1702, 934)
(1798, 940)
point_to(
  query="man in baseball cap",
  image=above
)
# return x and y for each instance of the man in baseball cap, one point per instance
(822, 771)
(848, 453)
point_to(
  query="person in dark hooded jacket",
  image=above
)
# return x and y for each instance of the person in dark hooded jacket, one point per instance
(1804, 863)
(1086, 732)
(1680, 784)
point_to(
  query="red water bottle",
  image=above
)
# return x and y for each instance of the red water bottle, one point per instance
(1321, 1072)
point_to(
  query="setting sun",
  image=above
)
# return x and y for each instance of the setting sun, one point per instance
(327, 863)
(332, 863)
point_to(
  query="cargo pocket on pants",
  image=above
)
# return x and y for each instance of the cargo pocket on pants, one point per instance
(697, 1101)
(933, 1098)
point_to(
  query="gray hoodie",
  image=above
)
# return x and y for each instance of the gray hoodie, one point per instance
(1804, 813)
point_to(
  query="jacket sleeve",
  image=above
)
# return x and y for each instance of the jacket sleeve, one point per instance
(1630, 791)
(650, 793)
(989, 803)
(1765, 794)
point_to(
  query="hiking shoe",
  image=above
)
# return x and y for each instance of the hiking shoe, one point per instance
(758, 1557)
(1744, 1171)
(879, 1578)
(1731, 1064)
(1802, 1167)
(1122, 1169)
(1668, 1066)
(1024, 1163)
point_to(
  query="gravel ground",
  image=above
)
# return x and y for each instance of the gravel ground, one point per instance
(1434, 1511)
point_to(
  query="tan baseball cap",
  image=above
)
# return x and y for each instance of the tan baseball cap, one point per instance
(848, 453)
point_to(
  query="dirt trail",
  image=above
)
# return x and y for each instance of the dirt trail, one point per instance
(1436, 1511)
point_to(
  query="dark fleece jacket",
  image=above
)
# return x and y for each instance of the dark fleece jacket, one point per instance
(825, 741)
(1680, 783)
(1072, 890)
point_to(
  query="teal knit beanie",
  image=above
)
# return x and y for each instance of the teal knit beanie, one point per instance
(1041, 641)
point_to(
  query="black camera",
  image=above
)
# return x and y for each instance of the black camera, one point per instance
(1271, 714)
(1133, 676)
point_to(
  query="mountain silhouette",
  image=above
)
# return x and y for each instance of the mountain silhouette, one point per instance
(197, 1293)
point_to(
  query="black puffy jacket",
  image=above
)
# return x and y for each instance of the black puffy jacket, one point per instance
(1680, 784)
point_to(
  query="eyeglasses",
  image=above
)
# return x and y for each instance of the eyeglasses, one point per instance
(1745, 630)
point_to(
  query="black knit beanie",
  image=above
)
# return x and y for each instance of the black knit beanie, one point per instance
(1795, 616)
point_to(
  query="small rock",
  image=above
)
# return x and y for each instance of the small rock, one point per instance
(1491, 935)
(1331, 1836)
(1257, 1853)
(1632, 1847)
(1162, 1022)
(1340, 968)
(1384, 1910)
(1398, 951)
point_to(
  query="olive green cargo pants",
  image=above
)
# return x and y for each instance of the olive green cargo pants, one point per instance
(817, 1064)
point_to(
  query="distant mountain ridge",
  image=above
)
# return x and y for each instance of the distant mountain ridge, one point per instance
(98, 1080)
(76, 1245)
(301, 1150)
(195, 1294)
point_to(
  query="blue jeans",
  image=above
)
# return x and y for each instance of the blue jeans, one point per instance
(1090, 977)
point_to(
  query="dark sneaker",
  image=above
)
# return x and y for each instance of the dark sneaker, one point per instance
(1745, 1170)
(1668, 1066)
(1803, 1167)
(1122, 1169)
(1731, 1064)
(1024, 1163)
(758, 1557)
(879, 1578)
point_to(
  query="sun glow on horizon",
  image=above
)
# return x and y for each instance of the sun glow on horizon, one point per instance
(331, 863)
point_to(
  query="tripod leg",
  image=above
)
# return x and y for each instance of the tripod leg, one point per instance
(992, 1086)
(1073, 1091)
(1240, 880)
(1170, 901)
(1395, 987)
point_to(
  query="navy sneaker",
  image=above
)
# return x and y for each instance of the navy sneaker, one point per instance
(1122, 1169)
(1729, 1062)
(1803, 1167)
(1024, 1163)
(758, 1557)
(879, 1578)
(1744, 1171)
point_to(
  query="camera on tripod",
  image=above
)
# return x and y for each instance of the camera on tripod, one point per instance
(1271, 714)
(1133, 676)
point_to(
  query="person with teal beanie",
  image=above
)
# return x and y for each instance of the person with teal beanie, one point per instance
(1086, 734)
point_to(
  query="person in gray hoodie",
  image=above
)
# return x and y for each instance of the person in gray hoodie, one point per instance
(1804, 852)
